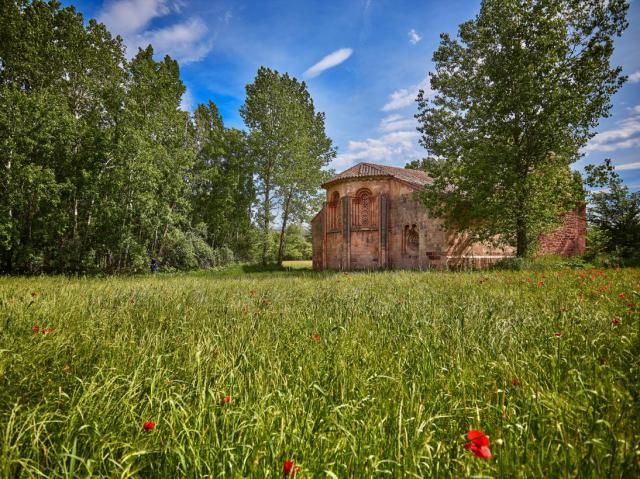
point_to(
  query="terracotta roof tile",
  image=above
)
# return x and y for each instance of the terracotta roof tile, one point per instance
(416, 178)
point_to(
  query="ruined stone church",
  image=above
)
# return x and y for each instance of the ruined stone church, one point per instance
(373, 218)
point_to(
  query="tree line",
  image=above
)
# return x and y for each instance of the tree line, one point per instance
(101, 170)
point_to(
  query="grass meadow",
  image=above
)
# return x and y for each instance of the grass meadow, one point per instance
(348, 375)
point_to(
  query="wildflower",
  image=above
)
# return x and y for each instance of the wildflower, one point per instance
(36, 329)
(478, 444)
(149, 425)
(515, 381)
(48, 331)
(621, 295)
(630, 305)
(289, 468)
(316, 337)
(557, 334)
(34, 294)
(540, 284)
(226, 400)
(615, 321)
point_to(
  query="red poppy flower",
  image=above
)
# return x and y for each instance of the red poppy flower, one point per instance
(557, 335)
(316, 337)
(149, 425)
(515, 381)
(289, 468)
(226, 399)
(615, 322)
(621, 295)
(630, 305)
(36, 329)
(540, 284)
(34, 294)
(478, 444)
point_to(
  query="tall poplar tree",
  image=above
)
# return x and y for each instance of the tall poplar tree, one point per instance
(289, 145)
(517, 94)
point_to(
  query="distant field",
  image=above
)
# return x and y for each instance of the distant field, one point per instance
(349, 375)
(297, 264)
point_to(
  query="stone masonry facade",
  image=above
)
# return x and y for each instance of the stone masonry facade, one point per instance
(372, 218)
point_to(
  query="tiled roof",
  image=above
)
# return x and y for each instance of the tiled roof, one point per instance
(363, 170)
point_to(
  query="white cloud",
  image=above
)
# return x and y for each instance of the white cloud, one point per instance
(330, 61)
(634, 77)
(414, 37)
(626, 135)
(395, 148)
(186, 41)
(129, 16)
(406, 96)
(628, 166)
(397, 122)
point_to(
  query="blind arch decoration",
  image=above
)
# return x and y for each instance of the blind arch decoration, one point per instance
(363, 210)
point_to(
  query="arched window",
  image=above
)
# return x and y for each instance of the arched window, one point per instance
(364, 208)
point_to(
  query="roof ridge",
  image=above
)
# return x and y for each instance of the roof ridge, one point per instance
(365, 169)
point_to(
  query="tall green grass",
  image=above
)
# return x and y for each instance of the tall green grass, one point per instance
(406, 364)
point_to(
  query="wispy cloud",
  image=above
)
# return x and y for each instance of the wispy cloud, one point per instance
(625, 135)
(186, 41)
(330, 61)
(628, 166)
(404, 97)
(397, 122)
(414, 37)
(634, 77)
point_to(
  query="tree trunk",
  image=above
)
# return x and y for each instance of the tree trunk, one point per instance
(522, 237)
(522, 230)
(285, 217)
(265, 228)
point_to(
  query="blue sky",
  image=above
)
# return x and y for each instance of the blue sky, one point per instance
(363, 61)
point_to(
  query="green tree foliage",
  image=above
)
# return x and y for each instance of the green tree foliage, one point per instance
(61, 84)
(223, 182)
(100, 168)
(298, 243)
(290, 148)
(613, 213)
(517, 95)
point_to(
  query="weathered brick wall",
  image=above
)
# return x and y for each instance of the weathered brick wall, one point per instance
(438, 248)
(364, 249)
(570, 238)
